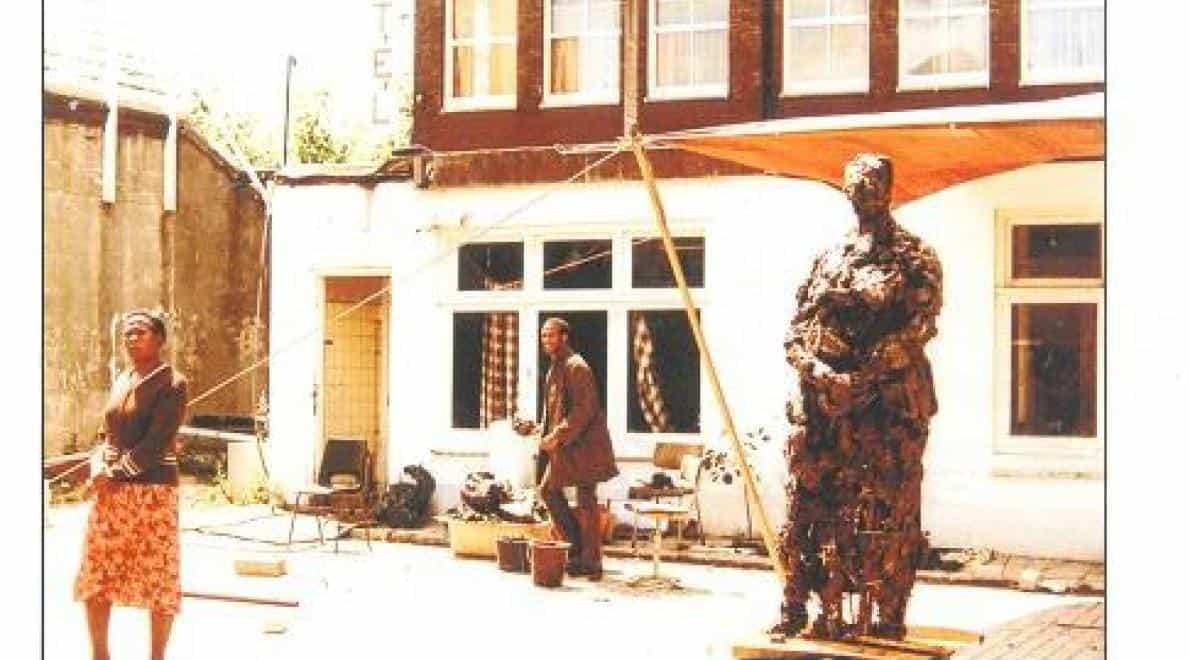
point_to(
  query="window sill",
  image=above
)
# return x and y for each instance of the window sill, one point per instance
(1048, 464)
(479, 104)
(1061, 78)
(554, 102)
(825, 89)
(942, 82)
(690, 94)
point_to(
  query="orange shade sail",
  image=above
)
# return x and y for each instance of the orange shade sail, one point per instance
(931, 149)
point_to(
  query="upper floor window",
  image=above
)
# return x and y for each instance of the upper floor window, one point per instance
(826, 46)
(582, 54)
(688, 48)
(1061, 41)
(943, 43)
(480, 67)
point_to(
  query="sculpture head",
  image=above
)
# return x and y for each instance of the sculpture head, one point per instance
(867, 182)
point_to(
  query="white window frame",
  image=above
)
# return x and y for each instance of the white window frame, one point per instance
(684, 92)
(1027, 455)
(832, 85)
(937, 81)
(601, 97)
(482, 41)
(616, 302)
(1062, 75)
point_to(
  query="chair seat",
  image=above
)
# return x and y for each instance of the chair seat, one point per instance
(645, 492)
(655, 509)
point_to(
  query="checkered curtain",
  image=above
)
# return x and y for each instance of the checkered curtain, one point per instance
(498, 378)
(648, 387)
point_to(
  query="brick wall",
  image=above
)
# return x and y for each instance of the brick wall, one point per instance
(199, 263)
(751, 90)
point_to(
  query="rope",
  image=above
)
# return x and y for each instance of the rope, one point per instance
(472, 237)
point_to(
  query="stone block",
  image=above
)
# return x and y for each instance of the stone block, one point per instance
(1029, 580)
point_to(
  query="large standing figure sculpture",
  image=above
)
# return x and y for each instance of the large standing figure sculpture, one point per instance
(860, 419)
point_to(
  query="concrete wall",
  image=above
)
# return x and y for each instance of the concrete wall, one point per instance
(199, 264)
(761, 235)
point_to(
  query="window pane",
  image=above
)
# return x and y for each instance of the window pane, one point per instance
(807, 54)
(849, 7)
(502, 18)
(1065, 38)
(673, 59)
(1057, 251)
(464, 18)
(568, 16)
(601, 64)
(564, 65)
(807, 8)
(650, 265)
(502, 71)
(663, 373)
(918, 6)
(484, 374)
(923, 44)
(605, 15)
(673, 12)
(849, 50)
(491, 266)
(968, 4)
(1054, 369)
(968, 44)
(710, 57)
(578, 265)
(709, 11)
(464, 72)
(588, 338)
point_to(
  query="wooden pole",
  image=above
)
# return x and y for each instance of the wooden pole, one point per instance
(766, 530)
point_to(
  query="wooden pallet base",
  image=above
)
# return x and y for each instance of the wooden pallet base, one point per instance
(920, 643)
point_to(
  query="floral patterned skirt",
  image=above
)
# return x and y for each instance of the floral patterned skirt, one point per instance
(131, 553)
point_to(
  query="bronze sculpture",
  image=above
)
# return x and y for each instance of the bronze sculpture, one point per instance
(860, 419)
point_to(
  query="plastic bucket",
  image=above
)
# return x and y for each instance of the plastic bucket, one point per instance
(548, 561)
(512, 554)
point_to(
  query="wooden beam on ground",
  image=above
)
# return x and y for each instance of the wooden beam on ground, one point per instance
(761, 646)
(766, 529)
(232, 598)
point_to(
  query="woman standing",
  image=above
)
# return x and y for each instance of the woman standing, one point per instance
(131, 551)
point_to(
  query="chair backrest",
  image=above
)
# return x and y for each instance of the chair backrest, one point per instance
(668, 455)
(344, 456)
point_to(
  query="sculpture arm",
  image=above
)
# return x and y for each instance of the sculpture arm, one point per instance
(923, 298)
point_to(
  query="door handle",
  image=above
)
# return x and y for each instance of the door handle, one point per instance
(314, 397)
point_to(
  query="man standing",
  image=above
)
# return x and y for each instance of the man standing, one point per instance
(575, 447)
(860, 417)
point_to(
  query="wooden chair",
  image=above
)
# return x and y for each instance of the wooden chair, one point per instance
(686, 459)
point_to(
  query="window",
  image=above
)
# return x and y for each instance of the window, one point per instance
(588, 338)
(626, 321)
(650, 264)
(826, 46)
(484, 378)
(1062, 41)
(491, 266)
(943, 43)
(688, 48)
(480, 67)
(578, 265)
(582, 53)
(1050, 337)
(663, 372)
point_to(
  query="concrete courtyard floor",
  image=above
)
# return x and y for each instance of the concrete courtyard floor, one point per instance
(410, 601)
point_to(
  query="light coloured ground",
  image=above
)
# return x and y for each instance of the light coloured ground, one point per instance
(405, 601)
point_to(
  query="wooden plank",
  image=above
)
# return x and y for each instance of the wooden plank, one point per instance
(761, 646)
(938, 634)
(252, 600)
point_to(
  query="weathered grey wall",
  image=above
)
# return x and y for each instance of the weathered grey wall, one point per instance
(200, 264)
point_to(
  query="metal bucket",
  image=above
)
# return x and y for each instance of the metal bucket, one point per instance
(548, 560)
(512, 554)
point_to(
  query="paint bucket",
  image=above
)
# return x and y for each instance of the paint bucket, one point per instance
(548, 560)
(512, 554)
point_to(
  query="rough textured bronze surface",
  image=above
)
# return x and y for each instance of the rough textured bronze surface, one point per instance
(859, 420)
